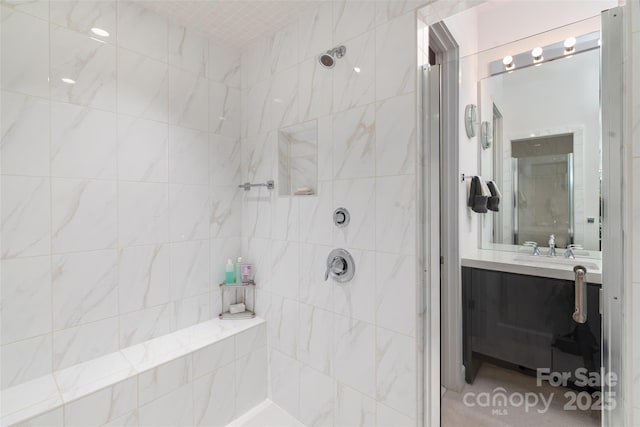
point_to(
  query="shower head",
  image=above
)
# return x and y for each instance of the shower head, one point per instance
(328, 59)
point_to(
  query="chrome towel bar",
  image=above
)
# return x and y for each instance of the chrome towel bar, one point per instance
(247, 185)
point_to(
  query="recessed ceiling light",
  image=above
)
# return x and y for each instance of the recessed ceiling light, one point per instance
(68, 80)
(100, 32)
(356, 69)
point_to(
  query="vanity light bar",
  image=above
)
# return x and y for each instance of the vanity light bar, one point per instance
(539, 55)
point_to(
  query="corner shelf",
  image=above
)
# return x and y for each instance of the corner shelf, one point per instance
(249, 312)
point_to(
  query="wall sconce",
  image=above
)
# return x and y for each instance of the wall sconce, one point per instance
(470, 120)
(508, 63)
(537, 54)
(569, 45)
(486, 135)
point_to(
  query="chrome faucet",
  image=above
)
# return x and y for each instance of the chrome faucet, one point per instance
(552, 245)
(534, 245)
(568, 253)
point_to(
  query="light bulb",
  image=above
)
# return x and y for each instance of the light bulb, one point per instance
(569, 45)
(508, 62)
(537, 54)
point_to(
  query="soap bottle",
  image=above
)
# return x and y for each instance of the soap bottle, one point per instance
(238, 269)
(229, 276)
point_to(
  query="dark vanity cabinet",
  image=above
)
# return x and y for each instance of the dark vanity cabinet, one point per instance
(526, 322)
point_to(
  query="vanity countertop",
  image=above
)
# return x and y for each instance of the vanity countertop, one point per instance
(513, 262)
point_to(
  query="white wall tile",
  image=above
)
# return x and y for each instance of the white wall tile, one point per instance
(143, 213)
(83, 142)
(285, 264)
(225, 214)
(188, 156)
(353, 408)
(315, 90)
(224, 161)
(354, 354)
(174, 409)
(251, 340)
(395, 282)
(24, 147)
(164, 379)
(389, 9)
(25, 216)
(25, 53)
(356, 298)
(75, 303)
(284, 98)
(283, 325)
(285, 382)
(54, 418)
(224, 110)
(142, 31)
(316, 33)
(314, 290)
(251, 380)
(143, 150)
(88, 341)
(192, 310)
(143, 277)
(188, 212)
(222, 249)
(352, 18)
(26, 298)
(315, 346)
(83, 15)
(354, 143)
(352, 88)
(145, 324)
(286, 218)
(396, 371)
(214, 356)
(316, 215)
(396, 207)
(188, 100)
(214, 397)
(396, 43)
(189, 269)
(90, 63)
(143, 89)
(188, 49)
(103, 406)
(396, 136)
(224, 65)
(84, 215)
(636, 218)
(283, 48)
(387, 417)
(358, 197)
(316, 398)
(37, 8)
(25, 360)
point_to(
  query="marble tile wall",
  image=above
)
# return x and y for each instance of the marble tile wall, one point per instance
(340, 354)
(119, 199)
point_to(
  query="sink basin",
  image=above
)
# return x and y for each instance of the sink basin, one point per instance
(545, 260)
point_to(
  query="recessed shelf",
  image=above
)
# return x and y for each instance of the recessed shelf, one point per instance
(298, 159)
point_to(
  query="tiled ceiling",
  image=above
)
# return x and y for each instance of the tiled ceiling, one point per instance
(235, 23)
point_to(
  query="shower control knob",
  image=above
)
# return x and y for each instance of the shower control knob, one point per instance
(340, 266)
(341, 217)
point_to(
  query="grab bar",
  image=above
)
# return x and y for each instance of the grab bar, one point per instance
(580, 313)
(247, 185)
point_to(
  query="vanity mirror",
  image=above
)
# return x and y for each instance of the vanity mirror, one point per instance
(543, 110)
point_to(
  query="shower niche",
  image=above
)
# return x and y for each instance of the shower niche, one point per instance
(298, 159)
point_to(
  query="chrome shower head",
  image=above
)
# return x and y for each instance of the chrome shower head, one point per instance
(328, 59)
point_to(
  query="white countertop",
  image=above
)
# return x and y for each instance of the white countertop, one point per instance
(518, 263)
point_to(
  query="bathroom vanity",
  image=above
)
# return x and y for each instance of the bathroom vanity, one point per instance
(521, 314)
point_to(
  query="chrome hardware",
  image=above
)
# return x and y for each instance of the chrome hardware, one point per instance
(534, 245)
(580, 313)
(340, 266)
(552, 246)
(341, 217)
(568, 253)
(247, 185)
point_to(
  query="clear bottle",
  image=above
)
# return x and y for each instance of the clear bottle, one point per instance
(229, 276)
(238, 269)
